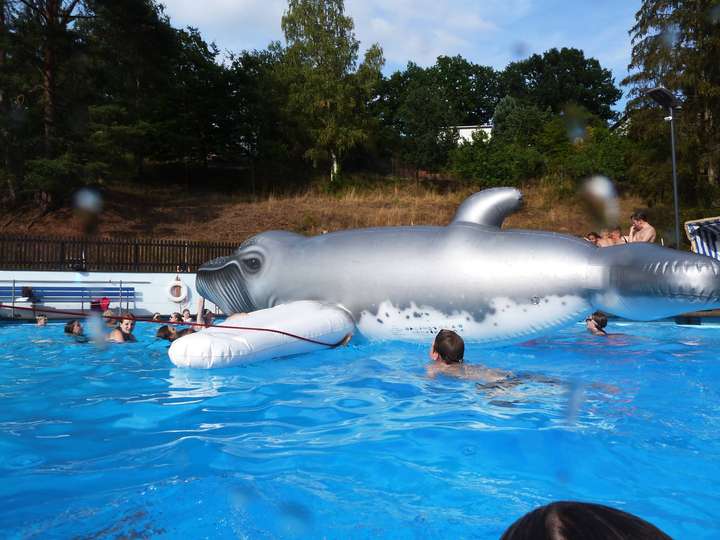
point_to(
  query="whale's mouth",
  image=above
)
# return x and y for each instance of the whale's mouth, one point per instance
(222, 282)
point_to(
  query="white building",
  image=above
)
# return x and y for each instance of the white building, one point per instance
(465, 133)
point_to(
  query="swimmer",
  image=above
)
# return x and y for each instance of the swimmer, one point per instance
(74, 328)
(41, 320)
(109, 317)
(447, 354)
(186, 315)
(204, 316)
(596, 324)
(156, 316)
(176, 318)
(171, 333)
(592, 237)
(123, 333)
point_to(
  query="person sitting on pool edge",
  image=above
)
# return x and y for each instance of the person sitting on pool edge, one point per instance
(596, 323)
(123, 333)
(171, 333)
(447, 353)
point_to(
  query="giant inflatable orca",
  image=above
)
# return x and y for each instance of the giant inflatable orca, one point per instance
(488, 284)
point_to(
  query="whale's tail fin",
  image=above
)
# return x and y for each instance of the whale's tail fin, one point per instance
(647, 282)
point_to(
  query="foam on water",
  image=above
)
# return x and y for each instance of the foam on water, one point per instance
(357, 442)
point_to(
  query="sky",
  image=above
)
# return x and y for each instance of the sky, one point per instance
(486, 32)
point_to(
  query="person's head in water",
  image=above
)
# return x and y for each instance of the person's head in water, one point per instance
(41, 320)
(596, 322)
(592, 237)
(166, 332)
(569, 520)
(74, 327)
(448, 347)
(127, 323)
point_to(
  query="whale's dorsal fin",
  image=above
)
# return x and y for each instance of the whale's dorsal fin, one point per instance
(489, 207)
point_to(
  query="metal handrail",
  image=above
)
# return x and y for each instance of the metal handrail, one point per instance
(110, 281)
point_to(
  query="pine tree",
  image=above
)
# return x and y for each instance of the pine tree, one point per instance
(677, 45)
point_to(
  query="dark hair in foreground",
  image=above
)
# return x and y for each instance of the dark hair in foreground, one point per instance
(600, 319)
(641, 216)
(569, 520)
(449, 346)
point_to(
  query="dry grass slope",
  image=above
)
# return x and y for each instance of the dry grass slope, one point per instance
(150, 213)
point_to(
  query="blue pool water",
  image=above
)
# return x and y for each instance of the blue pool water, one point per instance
(354, 443)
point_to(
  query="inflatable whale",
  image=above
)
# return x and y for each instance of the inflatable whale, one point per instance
(489, 285)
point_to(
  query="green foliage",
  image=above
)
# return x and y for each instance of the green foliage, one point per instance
(495, 162)
(419, 108)
(325, 92)
(560, 77)
(529, 144)
(677, 45)
(54, 176)
(125, 88)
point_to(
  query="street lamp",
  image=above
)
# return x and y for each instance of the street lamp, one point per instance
(665, 98)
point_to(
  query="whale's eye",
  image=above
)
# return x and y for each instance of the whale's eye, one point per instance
(252, 264)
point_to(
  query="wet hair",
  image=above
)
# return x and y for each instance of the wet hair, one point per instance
(592, 233)
(156, 316)
(449, 346)
(640, 216)
(70, 325)
(127, 316)
(176, 315)
(600, 319)
(165, 332)
(570, 520)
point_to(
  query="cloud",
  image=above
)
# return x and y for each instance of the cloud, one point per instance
(487, 32)
(232, 24)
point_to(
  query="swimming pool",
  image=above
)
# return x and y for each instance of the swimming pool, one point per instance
(355, 443)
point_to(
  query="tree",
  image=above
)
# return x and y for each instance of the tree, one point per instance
(559, 77)
(472, 91)
(52, 20)
(325, 91)
(418, 118)
(42, 74)
(677, 45)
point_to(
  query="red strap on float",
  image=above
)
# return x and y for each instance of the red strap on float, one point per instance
(343, 341)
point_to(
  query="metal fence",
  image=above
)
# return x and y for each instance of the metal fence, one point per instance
(25, 252)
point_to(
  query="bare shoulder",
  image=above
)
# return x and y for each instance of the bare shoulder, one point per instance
(116, 336)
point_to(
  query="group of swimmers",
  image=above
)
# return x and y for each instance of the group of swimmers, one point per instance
(170, 332)
(447, 353)
(121, 327)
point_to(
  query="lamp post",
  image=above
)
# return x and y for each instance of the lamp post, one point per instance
(665, 98)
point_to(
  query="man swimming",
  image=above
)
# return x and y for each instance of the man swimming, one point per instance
(447, 354)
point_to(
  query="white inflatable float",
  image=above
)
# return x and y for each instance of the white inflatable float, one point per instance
(284, 330)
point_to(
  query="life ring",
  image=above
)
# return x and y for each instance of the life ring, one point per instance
(177, 291)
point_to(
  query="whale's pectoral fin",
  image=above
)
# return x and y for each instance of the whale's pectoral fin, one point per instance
(489, 207)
